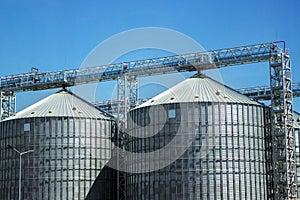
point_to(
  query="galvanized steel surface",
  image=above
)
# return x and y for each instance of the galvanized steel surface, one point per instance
(199, 89)
(296, 125)
(60, 104)
(226, 160)
(69, 151)
(228, 157)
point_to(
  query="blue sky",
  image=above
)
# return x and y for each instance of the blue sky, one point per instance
(55, 35)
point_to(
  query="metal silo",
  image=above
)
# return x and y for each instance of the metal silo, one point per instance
(227, 157)
(71, 143)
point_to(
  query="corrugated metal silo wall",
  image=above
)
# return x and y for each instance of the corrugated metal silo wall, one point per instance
(233, 168)
(69, 154)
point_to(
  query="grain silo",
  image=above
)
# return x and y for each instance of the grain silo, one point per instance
(226, 160)
(71, 143)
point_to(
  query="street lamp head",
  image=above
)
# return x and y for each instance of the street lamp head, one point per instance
(13, 148)
(21, 153)
(25, 152)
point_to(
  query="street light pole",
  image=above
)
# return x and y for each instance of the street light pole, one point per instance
(20, 166)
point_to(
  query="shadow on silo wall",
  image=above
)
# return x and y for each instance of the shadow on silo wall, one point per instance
(105, 186)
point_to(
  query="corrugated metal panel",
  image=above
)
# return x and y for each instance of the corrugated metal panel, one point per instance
(61, 104)
(199, 89)
(68, 158)
(227, 159)
(71, 149)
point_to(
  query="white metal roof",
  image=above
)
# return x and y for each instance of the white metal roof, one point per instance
(296, 121)
(61, 104)
(199, 88)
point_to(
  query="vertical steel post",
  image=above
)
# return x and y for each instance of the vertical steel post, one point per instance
(127, 99)
(20, 166)
(121, 126)
(7, 104)
(282, 133)
(133, 91)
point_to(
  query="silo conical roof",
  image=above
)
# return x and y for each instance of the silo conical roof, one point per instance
(296, 121)
(61, 104)
(199, 88)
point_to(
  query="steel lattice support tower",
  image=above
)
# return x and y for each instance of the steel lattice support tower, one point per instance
(127, 99)
(122, 109)
(8, 104)
(133, 91)
(283, 167)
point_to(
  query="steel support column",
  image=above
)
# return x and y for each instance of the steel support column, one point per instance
(7, 104)
(282, 133)
(127, 99)
(121, 125)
